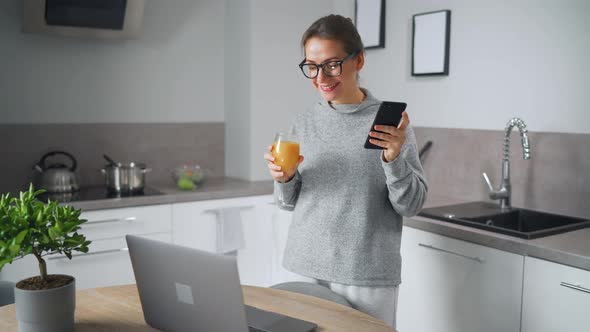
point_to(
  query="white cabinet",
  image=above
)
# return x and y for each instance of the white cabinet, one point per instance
(255, 258)
(555, 297)
(450, 285)
(107, 263)
(201, 225)
(194, 224)
(106, 224)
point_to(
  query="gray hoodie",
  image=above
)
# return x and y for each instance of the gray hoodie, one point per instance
(347, 202)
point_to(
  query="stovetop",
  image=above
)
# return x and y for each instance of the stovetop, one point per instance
(95, 193)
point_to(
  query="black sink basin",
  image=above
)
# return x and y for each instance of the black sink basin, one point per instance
(523, 223)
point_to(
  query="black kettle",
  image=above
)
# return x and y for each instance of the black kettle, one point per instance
(57, 177)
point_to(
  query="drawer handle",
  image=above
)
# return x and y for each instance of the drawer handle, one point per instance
(104, 221)
(477, 259)
(576, 287)
(90, 253)
(228, 208)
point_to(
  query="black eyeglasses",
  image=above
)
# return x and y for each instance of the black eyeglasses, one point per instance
(330, 68)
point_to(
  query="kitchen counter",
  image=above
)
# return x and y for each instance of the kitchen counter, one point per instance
(214, 188)
(570, 248)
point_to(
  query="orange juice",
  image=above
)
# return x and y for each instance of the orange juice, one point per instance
(286, 154)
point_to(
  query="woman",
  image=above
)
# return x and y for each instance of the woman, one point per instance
(348, 201)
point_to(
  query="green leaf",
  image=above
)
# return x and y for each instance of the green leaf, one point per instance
(14, 249)
(71, 243)
(28, 226)
(53, 234)
(71, 226)
(44, 239)
(60, 225)
(21, 236)
(39, 192)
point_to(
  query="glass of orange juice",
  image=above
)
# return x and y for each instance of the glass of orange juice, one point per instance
(285, 150)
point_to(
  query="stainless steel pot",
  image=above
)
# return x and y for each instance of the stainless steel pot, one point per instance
(125, 178)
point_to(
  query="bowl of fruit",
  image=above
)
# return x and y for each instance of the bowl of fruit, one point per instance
(188, 177)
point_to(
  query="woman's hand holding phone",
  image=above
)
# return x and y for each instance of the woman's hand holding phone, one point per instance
(390, 138)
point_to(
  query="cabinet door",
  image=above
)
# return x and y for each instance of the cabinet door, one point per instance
(107, 262)
(197, 225)
(106, 224)
(450, 285)
(555, 297)
(255, 258)
(194, 224)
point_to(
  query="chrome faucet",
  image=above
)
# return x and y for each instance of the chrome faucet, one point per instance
(503, 194)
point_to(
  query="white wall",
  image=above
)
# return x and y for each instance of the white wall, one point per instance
(526, 58)
(237, 90)
(277, 90)
(522, 58)
(172, 73)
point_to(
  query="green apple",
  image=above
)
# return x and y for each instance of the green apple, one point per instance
(185, 183)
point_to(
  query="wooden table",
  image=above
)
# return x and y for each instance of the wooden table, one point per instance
(117, 309)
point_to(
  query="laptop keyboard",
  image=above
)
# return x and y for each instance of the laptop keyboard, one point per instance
(253, 329)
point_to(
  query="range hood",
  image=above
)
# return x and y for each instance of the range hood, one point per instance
(105, 19)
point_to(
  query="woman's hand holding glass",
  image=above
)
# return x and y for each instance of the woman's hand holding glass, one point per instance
(390, 138)
(283, 158)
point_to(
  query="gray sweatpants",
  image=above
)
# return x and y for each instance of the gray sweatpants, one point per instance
(379, 302)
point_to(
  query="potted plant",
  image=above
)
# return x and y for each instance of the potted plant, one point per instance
(29, 226)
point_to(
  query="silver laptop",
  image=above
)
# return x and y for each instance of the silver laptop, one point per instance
(184, 289)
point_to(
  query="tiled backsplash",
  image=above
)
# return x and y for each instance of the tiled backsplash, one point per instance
(160, 146)
(555, 179)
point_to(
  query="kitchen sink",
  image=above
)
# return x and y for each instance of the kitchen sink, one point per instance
(523, 223)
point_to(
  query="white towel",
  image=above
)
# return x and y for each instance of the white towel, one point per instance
(230, 233)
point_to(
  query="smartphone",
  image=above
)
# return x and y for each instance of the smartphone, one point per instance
(389, 114)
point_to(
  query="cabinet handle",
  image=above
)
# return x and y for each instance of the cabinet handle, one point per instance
(233, 207)
(104, 221)
(576, 287)
(90, 253)
(477, 259)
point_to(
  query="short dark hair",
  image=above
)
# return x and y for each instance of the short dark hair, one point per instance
(335, 27)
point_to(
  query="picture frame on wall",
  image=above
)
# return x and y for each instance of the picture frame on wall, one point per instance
(370, 22)
(431, 33)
